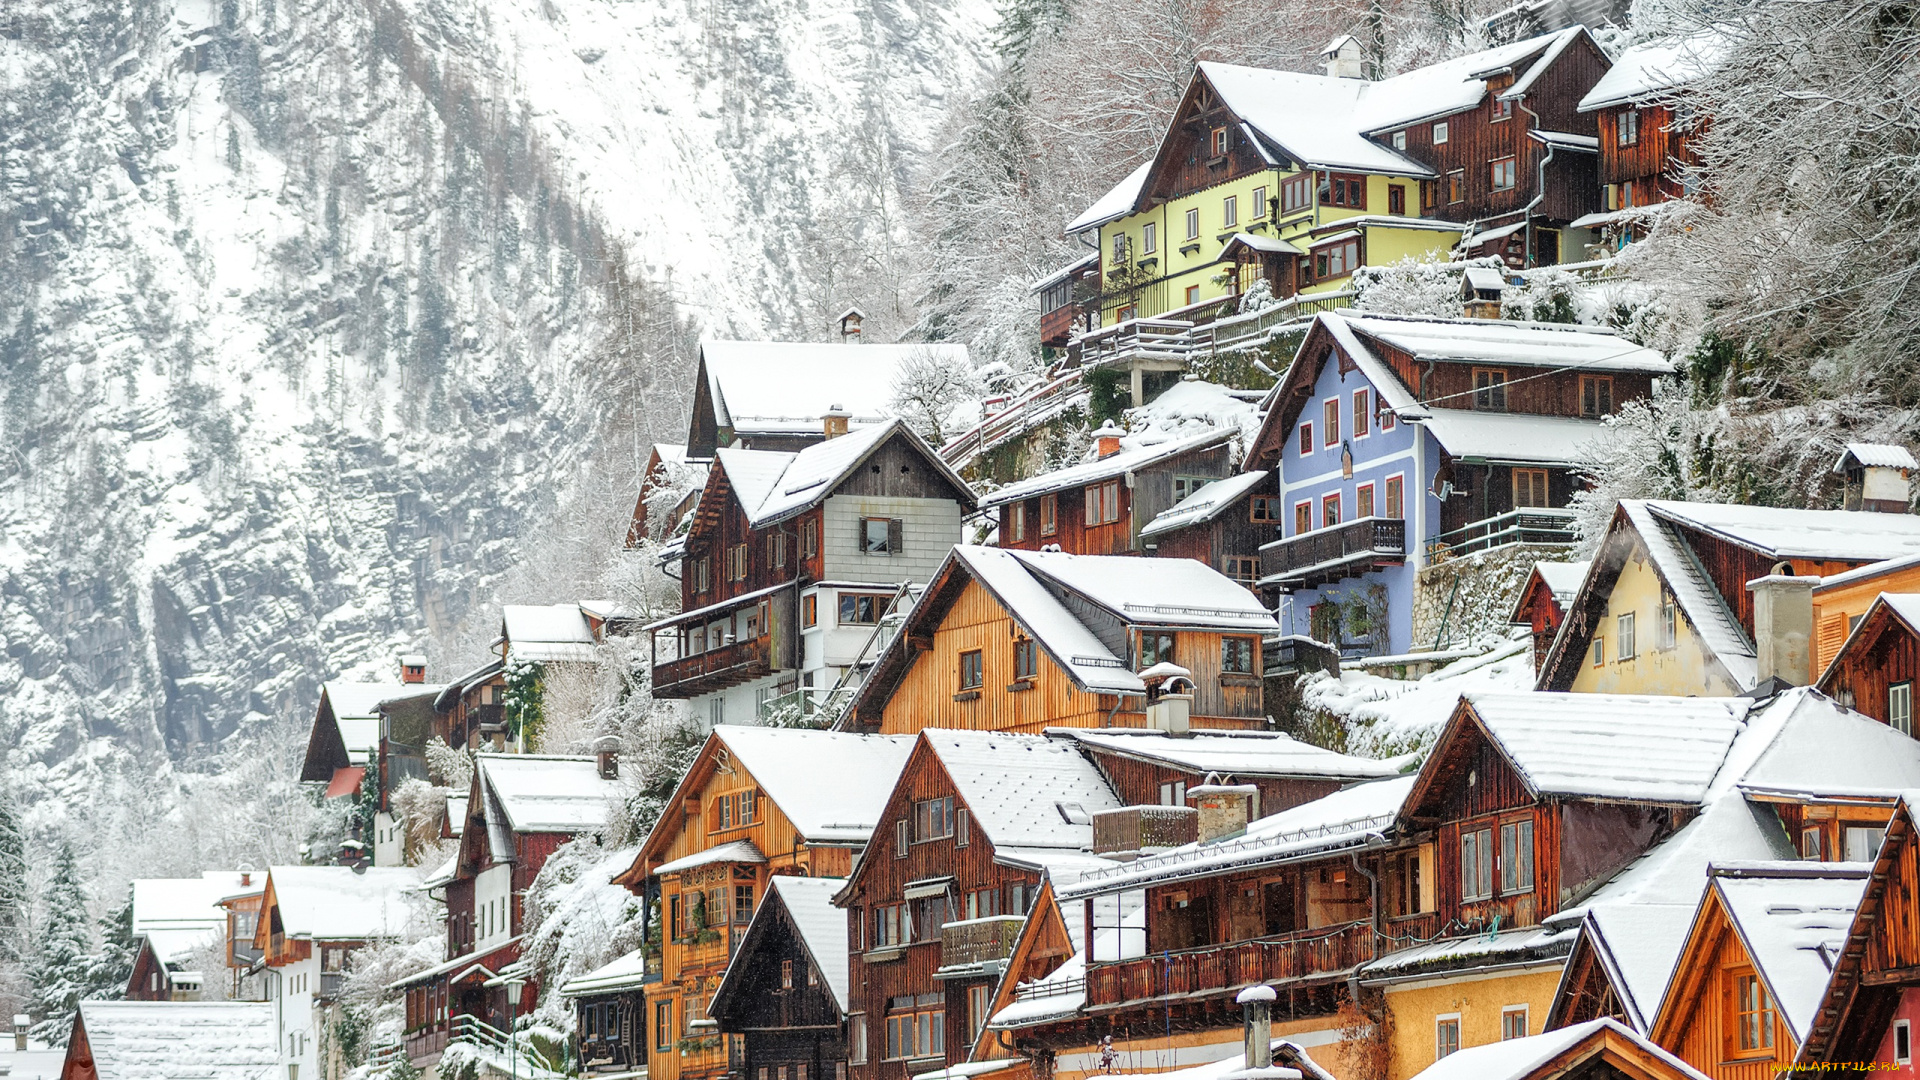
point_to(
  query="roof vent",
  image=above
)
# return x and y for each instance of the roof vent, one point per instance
(834, 423)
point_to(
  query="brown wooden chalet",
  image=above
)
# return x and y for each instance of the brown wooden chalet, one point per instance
(471, 711)
(520, 808)
(1150, 768)
(1544, 596)
(369, 738)
(1221, 524)
(785, 992)
(1103, 506)
(1875, 670)
(943, 888)
(787, 549)
(657, 524)
(752, 806)
(1011, 640)
(773, 395)
(610, 1013)
(1645, 141)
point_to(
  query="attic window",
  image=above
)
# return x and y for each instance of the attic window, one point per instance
(1627, 128)
(1751, 1014)
(1218, 142)
(1502, 109)
(1399, 140)
(1440, 133)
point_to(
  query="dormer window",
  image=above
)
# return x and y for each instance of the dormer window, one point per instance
(1750, 1014)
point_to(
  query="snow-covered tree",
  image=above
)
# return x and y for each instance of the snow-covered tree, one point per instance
(60, 969)
(16, 903)
(111, 964)
(928, 387)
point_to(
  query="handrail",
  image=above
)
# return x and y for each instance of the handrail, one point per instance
(1532, 524)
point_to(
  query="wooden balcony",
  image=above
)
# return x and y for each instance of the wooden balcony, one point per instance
(978, 941)
(1223, 969)
(715, 669)
(1136, 830)
(1057, 326)
(1324, 556)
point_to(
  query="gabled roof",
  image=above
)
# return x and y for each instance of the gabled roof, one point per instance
(1902, 608)
(1557, 1053)
(1232, 754)
(743, 852)
(772, 486)
(1505, 341)
(546, 632)
(338, 903)
(178, 1040)
(1212, 499)
(1851, 1012)
(1167, 592)
(346, 724)
(807, 905)
(1106, 468)
(627, 972)
(1024, 791)
(1786, 533)
(1875, 455)
(1651, 69)
(1560, 580)
(785, 387)
(1117, 203)
(537, 793)
(178, 915)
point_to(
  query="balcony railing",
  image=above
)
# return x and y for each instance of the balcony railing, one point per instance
(1224, 968)
(715, 669)
(1139, 829)
(979, 941)
(1533, 525)
(1327, 555)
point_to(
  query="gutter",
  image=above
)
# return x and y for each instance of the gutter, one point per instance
(1540, 183)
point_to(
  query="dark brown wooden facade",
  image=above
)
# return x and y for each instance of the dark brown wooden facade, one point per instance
(1229, 541)
(1649, 166)
(1140, 782)
(776, 998)
(1882, 653)
(1586, 988)
(1541, 613)
(1144, 493)
(1877, 972)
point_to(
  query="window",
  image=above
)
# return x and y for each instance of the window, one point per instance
(1513, 1022)
(1599, 651)
(1119, 247)
(972, 671)
(1193, 224)
(1244, 569)
(1623, 637)
(960, 832)
(1529, 488)
(1902, 1043)
(1446, 1029)
(809, 539)
(1627, 128)
(1596, 395)
(1103, 503)
(1362, 413)
(1306, 438)
(933, 819)
(1263, 508)
(1490, 389)
(734, 810)
(786, 974)
(1302, 518)
(862, 609)
(1336, 260)
(983, 903)
(1259, 203)
(1330, 510)
(663, 1025)
(1440, 133)
(1296, 192)
(901, 838)
(1017, 898)
(777, 551)
(1173, 793)
(1343, 189)
(1218, 141)
(1395, 508)
(1861, 843)
(857, 1039)
(1026, 659)
(892, 924)
(1193, 294)
(1388, 419)
(979, 1000)
(1230, 211)
(1457, 186)
(1363, 501)
(916, 1026)
(1752, 1014)
(1400, 140)
(1403, 884)
(1397, 200)
(1149, 238)
(1236, 655)
(742, 904)
(1669, 623)
(1476, 864)
(1900, 707)
(881, 536)
(1502, 174)
(1502, 109)
(1516, 857)
(1155, 648)
(1049, 514)
(703, 573)
(1017, 522)
(1810, 845)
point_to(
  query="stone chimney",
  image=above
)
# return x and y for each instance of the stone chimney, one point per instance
(1480, 290)
(834, 424)
(606, 756)
(1344, 58)
(1783, 627)
(1224, 809)
(1876, 477)
(1256, 1005)
(1106, 439)
(413, 668)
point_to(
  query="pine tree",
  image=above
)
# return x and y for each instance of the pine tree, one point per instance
(60, 969)
(109, 968)
(15, 904)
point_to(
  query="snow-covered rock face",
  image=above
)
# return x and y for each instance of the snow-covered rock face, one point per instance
(309, 309)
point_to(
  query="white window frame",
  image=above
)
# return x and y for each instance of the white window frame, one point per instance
(1440, 133)
(1400, 140)
(1900, 707)
(1599, 650)
(1902, 1033)
(1669, 623)
(1626, 646)
(1230, 211)
(1440, 1021)
(1193, 223)
(1150, 238)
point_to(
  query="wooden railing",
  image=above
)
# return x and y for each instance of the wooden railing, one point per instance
(1222, 968)
(1144, 828)
(714, 669)
(979, 941)
(1533, 525)
(1036, 406)
(1330, 554)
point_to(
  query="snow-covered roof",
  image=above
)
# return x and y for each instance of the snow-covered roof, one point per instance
(1064, 637)
(1528, 945)
(773, 485)
(1518, 1059)
(338, 903)
(1022, 789)
(1651, 68)
(1512, 438)
(361, 700)
(1229, 753)
(1352, 817)
(1637, 944)
(540, 632)
(536, 793)
(1090, 259)
(1694, 591)
(1116, 203)
(1793, 918)
(1266, 245)
(181, 1040)
(1233, 1067)
(1613, 746)
(1781, 533)
(1504, 341)
(734, 851)
(1566, 140)
(787, 386)
(1174, 592)
(179, 915)
(1106, 468)
(628, 972)
(789, 764)
(1205, 504)
(1880, 455)
(1562, 579)
(822, 927)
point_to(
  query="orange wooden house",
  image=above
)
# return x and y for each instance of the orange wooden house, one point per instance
(1754, 970)
(1875, 669)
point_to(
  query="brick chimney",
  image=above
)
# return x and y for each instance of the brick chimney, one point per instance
(834, 423)
(1224, 809)
(413, 668)
(1106, 439)
(1783, 627)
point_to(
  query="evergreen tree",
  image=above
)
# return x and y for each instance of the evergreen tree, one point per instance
(111, 966)
(15, 904)
(60, 969)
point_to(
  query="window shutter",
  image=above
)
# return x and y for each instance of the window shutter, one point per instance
(960, 828)
(895, 529)
(900, 839)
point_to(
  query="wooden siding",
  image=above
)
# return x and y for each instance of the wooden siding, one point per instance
(1731, 566)
(1658, 154)
(1071, 531)
(1881, 654)
(1232, 533)
(1189, 164)
(1484, 491)
(1697, 1032)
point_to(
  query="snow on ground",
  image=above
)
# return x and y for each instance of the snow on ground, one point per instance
(1383, 717)
(1190, 407)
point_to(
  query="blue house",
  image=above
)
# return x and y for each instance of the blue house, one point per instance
(1398, 442)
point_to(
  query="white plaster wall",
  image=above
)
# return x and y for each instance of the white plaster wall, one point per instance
(493, 887)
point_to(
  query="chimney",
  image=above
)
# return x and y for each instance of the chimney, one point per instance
(1106, 439)
(1876, 477)
(1256, 1005)
(1169, 697)
(606, 754)
(834, 423)
(850, 321)
(1783, 626)
(1480, 291)
(413, 668)
(1344, 58)
(1224, 809)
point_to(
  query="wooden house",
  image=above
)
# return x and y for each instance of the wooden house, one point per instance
(933, 905)
(1544, 596)
(1400, 442)
(785, 992)
(177, 921)
(772, 395)
(1221, 523)
(1007, 640)
(1670, 605)
(1645, 144)
(471, 711)
(201, 1040)
(1874, 671)
(1148, 767)
(667, 469)
(377, 731)
(1101, 506)
(794, 560)
(1595, 1050)
(1753, 973)
(610, 1013)
(752, 806)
